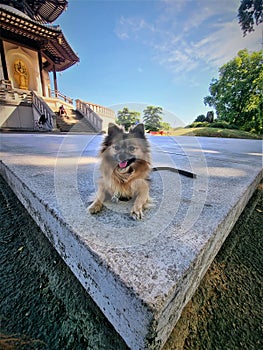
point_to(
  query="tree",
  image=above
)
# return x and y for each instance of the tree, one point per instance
(250, 12)
(237, 94)
(127, 118)
(201, 118)
(152, 118)
(165, 126)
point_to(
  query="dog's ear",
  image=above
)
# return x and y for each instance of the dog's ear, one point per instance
(113, 130)
(138, 130)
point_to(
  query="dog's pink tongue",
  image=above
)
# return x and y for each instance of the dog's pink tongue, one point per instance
(123, 164)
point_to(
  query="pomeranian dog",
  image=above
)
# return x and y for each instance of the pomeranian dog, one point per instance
(125, 168)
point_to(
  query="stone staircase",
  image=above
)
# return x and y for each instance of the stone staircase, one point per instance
(74, 123)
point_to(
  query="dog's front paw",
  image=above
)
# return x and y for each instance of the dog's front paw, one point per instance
(114, 199)
(137, 214)
(95, 207)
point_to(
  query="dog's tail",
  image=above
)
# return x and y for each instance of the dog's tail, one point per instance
(175, 170)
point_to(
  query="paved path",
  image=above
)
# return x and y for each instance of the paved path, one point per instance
(140, 274)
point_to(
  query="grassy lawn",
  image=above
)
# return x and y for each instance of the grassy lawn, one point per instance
(215, 132)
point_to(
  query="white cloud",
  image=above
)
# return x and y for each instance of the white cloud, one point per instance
(178, 59)
(191, 34)
(131, 27)
(224, 43)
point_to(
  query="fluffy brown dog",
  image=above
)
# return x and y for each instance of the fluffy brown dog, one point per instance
(125, 167)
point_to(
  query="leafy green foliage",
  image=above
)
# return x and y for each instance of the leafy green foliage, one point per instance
(237, 95)
(201, 118)
(209, 131)
(153, 118)
(221, 124)
(165, 126)
(197, 124)
(127, 118)
(250, 12)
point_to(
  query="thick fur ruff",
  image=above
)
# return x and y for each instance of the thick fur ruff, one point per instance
(125, 168)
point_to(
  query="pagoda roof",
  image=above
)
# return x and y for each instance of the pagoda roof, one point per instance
(19, 28)
(43, 11)
(47, 10)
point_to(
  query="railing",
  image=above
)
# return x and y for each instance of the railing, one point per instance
(8, 94)
(101, 110)
(57, 94)
(43, 108)
(6, 85)
(87, 112)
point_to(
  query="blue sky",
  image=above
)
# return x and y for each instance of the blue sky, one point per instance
(161, 53)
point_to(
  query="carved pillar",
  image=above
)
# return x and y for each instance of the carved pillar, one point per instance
(55, 81)
(41, 73)
(5, 72)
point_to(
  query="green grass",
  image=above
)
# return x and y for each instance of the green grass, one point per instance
(214, 132)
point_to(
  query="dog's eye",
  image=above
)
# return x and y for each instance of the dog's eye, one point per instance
(131, 148)
(116, 147)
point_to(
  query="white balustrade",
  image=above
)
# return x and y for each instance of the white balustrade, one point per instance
(95, 114)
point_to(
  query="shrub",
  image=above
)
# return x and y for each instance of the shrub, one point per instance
(198, 124)
(200, 118)
(232, 126)
(252, 126)
(222, 125)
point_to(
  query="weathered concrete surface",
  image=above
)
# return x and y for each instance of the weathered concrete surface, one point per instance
(140, 274)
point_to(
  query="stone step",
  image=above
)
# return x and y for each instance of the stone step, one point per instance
(140, 274)
(74, 122)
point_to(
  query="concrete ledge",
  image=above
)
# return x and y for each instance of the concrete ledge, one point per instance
(141, 274)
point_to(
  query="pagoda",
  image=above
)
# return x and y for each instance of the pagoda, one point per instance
(32, 52)
(30, 46)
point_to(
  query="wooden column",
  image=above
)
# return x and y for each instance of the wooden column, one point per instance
(3, 60)
(41, 73)
(55, 81)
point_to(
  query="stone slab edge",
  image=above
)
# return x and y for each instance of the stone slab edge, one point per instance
(191, 280)
(132, 319)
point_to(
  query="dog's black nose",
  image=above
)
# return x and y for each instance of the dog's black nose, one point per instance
(122, 156)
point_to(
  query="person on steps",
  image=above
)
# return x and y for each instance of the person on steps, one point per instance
(62, 111)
